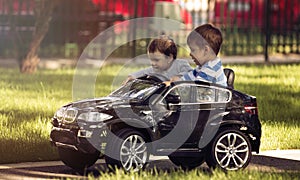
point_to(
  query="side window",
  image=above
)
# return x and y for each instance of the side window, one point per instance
(211, 94)
(223, 95)
(182, 93)
(197, 94)
(173, 97)
(205, 94)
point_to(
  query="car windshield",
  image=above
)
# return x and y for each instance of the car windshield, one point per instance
(136, 89)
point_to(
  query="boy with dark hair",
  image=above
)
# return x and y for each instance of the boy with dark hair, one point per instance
(162, 52)
(205, 42)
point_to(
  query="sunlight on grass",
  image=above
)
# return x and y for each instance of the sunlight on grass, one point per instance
(27, 141)
(276, 88)
(280, 136)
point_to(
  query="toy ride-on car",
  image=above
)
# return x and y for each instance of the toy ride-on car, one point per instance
(190, 122)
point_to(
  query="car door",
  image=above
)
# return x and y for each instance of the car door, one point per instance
(209, 107)
(186, 111)
(192, 109)
(176, 122)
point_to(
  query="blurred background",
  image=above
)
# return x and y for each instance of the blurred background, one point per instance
(250, 27)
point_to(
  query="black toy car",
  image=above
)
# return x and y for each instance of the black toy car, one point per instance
(190, 122)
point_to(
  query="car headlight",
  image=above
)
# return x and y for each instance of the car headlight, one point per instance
(94, 116)
(60, 114)
(70, 115)
(66, 114)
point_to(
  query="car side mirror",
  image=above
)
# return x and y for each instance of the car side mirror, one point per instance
(172, 99)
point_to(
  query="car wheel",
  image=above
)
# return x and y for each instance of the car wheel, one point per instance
(129, 151)
(230, 150)
(77, 160)
(187, 163)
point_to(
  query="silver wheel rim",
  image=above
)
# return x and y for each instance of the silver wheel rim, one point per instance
(133, 153)
(232, 151)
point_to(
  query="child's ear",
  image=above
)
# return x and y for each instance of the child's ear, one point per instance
(170, 58)
(207, 49)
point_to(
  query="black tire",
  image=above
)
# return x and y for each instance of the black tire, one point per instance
(229, 150)
(187, 163)
(119, 155)
(77, 160)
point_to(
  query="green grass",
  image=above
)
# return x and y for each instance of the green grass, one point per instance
(27, 104)
(29, 101)
(277, 89)
(196, 174)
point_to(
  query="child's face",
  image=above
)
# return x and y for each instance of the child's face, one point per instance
(159, 61)
(197, 53)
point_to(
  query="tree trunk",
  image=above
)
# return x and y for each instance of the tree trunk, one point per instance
(43, 13)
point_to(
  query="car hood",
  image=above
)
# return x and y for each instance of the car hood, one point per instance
(103, 102)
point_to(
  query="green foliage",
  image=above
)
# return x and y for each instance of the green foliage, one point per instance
(29, 101)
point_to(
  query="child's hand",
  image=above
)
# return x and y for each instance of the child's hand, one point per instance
(128, 79)
(175, 78)
(167, 83)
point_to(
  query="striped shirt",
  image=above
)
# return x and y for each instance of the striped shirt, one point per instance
(211, 71)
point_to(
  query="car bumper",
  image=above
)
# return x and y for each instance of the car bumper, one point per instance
(66, 138)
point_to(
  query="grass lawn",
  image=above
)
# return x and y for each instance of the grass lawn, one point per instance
(197, 174)
(29, 101)
(277, 88)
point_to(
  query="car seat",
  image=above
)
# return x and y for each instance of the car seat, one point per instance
(229, 73)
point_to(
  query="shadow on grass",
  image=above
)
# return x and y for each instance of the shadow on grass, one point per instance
(16, 151)
(275, 163)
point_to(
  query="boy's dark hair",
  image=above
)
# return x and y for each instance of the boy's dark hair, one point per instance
(164, 45)
(207, 34)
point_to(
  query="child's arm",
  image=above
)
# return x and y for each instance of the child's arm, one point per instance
(184, 67)
(138, 74)
(142, 72)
